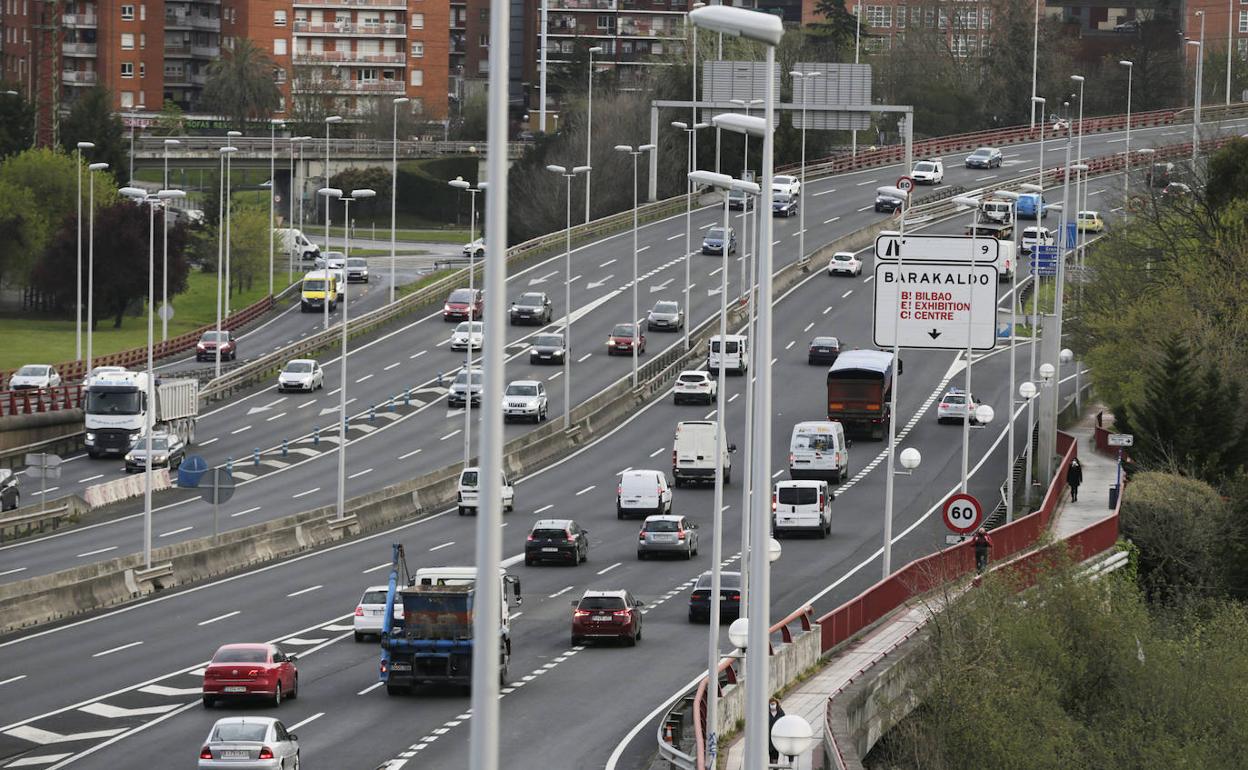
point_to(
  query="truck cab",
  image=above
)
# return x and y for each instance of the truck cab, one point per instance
(117, 411)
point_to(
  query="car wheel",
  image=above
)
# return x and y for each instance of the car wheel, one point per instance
(277, 695)
(359, 637)
(639, 633)
(209, 701)
(641, 556)
(461, 511)
(619, 513)
(630, 640)
(395, 689)
(296, 765)
(576, 641)
(689, 553)
(294, 691)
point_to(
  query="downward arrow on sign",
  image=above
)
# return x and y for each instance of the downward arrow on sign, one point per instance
(933, 334)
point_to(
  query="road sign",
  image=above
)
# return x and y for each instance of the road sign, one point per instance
(43, 466)
(935, 306)
(891, 247)
(1044, 260)
(216, 486)
(1121, 439)
(962, 513)
(905, 183)
(954, 539)
(42, 460)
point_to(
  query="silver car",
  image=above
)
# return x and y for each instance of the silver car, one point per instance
(249, 743)
(357, 269)
(667, 533)
(666, 316)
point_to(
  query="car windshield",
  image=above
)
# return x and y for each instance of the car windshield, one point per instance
(548, 340)
(470, 326)
(622, 330)
(32, 371)
(731, 346)
(715, 233)
(667, 307)
(780, 197)
(797, 495)
(462, 377)
(112, 402)
(825, 342)
(531, 300)
(461, 295)
(215, 337)
(955, 399)
(819, 442)
(521, 390)
(159, 444)
(925, 167)
(843, 257)
(663, 525)
(982, 152)
(241, 655)
(374, 597)
(726, 580)
(314, 285)
(299, 367)
(357, 262)
(247, 732)
(468, 479)
(602, 603)
(734, 194)
(694, 378)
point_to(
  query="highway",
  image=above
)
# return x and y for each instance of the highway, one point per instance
(129, 690)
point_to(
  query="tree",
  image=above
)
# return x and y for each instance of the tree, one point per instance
(836, 28)
(373, 178)
(17, 120)
(1228, 173)
(312, 100)
(122, 232)
(171, 121)
(91, 119)
(241, 85)
(378, 120)
(52, 177)
(23, 231)
(249, 246)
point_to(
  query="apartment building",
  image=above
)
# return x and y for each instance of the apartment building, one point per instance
(633, 34)
(966, 23)
(191, 42)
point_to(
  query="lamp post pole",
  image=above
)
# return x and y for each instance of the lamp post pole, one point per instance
(1200, 87)
(164, 273)
(969, 400)
(1035, 55)
(394, 184)
(853, 135)
(91, 258)
(329, 120)
(78, 303)
(290, 218)
(1009, 462)
(229, 193)
(460, 184)
(1035, 278)
(803, 77)
(273, 126)
(567, 292)
(1126, 158)
(690, 130)
(589, 127)
(627, 148)
(890, 477)
(221, 238)
(745, 209)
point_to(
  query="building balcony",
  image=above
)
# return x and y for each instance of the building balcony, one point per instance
(349, 57)
(177, 51)
(206, 51)
(78, 49)
(389, 29)
(198, 79)
(401, 4)
(78, 77)
(584, 5)
(80, 20)
(192, 21)
(330, 85)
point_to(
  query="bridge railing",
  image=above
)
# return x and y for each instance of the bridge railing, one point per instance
(153, 147)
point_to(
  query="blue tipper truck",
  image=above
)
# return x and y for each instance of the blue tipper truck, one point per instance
(433, 643)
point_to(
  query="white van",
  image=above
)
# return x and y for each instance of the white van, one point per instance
(819, 450)
(470, 490)
(693, 453)
(997, 211)
(642, 493)
(801, 506)
(734, 358)
(291, 240)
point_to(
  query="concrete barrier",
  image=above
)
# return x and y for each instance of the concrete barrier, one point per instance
(124, 488)
(19, 429)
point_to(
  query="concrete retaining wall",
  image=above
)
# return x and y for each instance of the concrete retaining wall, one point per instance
(787, 662)
(17, 430)
(874, 704)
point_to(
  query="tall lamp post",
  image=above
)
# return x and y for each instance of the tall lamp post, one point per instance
(333, 193)
(567, 291)
(229, 193)
(91, 169)
(329, 121)
(589, 127)
(460, 184)
(803, 78)
(78, 304)
(1009, 463)
(164, 273)
(627, 148)
(394, 182)
(967, 416)
(273, 126)
(1126, 157)
(690, 133)
(1035, 55)
(1200, 86)
(853, 135)
(746, 251)
(766, 29)
(224, 153)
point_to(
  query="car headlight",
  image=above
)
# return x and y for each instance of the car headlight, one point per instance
(90, 436)
(160, 458)
(446, 308)
(129, 457)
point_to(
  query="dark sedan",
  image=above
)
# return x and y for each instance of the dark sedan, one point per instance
(559, 540)
(730, 598)
(783, 204)
(547, 349)
(531, 307)
(823, 350)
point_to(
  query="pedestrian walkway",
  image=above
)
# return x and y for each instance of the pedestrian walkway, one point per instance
(1099, 474)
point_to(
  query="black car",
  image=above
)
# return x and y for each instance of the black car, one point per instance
(532, 307)
(548, 349)
(462, 390)
(10, 497)
(823, 350)
(886, 202)
(561, 540)
(730, 598)
(783, 204)
(740, 200)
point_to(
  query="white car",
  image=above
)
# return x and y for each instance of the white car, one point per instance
(1036, 236)
(34, 376)
(371, 611)
(695, 385)
(476, 249)
(844, 263)
(301, 374)
(468, 333)
(930, 171)
(786, 184)
(524, 400)
(98, 370)
(952, 407)
(470, 488)
(249, 742)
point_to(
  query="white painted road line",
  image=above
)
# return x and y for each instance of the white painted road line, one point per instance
(302, 591)
(864, 208)
(655, 452)
(560, 592)
(96, 552)
(790, 345)
(370, 688)
(830, 221)
(586, 489)
(869, 181)
(410, 454)
(91, 478)
(214, 439)
(116, 649)
(240, 430)
(582, 358)
(378, 567)
(279, 415)
(846, 294)
(252, 509)
(312, 718)
(452, 433)
(825, 192)
(543, 509)
(418, 355)
(12, 679)
(605, 570)
(365, 377)
(11, 572)
(608, 262)
(360, 473)
(808, 326)
(176, 531)
(391, 366)
(308, 492)
(219, 617)
(447, 544)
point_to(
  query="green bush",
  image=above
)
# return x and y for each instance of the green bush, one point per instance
(424, 192)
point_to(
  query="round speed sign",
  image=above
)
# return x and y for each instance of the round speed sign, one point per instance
(905, 184)
(963, 514)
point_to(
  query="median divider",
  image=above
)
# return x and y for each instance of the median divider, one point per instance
(124, 488)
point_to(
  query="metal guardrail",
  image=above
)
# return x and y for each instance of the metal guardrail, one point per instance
(153, 147)
(15, 522)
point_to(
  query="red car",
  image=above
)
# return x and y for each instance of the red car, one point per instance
(206, 348)
(621, 340)
(607, 615)
(464, 305)
(250, 671)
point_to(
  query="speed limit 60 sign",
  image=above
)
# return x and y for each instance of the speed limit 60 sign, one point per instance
(963, 514)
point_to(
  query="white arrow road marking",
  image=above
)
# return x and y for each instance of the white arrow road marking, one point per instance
(544, 278)
(662, 286)
(44, 737)
(303, 642)
(43, 759)
(599, 284)
(119, 712)
(328, 410)
(170, 692)
(269, 405)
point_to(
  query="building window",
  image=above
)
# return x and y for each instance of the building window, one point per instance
(604, 22)
(142, 70)
(879, 16)
(485, 13)
(1243, 21)
(418, 77)
(279, 46)
(142, 98)
(127, 69)
(418, 21)
(127, 14)
(901, 17)
(142, 17)
(418, 49)
(483, 40)
(143, 40)
(127, 99)
(483, 67)
(279, 18)
(1241, 44)
(281, 103)
(368, 75)
(279, 75)
(127, 41)
(987, 15)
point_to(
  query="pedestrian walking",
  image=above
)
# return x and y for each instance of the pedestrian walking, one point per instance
(1074, 477)
(983, 544)
(774, 712)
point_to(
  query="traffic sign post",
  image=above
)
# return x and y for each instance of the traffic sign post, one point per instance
(43, 466)
(937, 307)
(219, 490)
(962, 514)
(1044, 260)
(941, 249)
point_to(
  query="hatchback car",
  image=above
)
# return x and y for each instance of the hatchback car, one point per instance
(548, 349)
(787, 184)
(468, 334)
(301, 374)
(531, 307)
(729, 597)
(1176, 190)
(621, 340)
(209, 343)
(783, 204)
(330, 259)
(464, 305)
(1035, 236)
(823, 350)
(667, 534)
(665, 316)
(1090, 222)
(524, 400)
(249, 743)
(33, 376)
(844, 263)
(984, 157)
(929, 171)
(168, 451)
(560, 540)
(607, 615)
(887, 201)
(371, 612)
(250, 670)
(10, 495)
(357, 270)
(695, 385)
(952, 407)
(740, 200)
(462, 391)
(713, 242)
(475, 249)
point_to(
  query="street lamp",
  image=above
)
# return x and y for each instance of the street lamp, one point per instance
(1126, 156)
(1028, 392)
(273, 126)
(690, 132)
(627, 148)
(78, 304)
(967, 417)
(792, 737)
(853, 135)
(1009, 479)
(1035, 53)
(746, 125)
(229, 210)
(333, 193)
(329, 120)
(460, 184)
(589, 127)
(803, 77)
(91, 258)
(567, 291)
(767, 29)
(224, 153)
(394, 183)
(164, 275)
(1200, 85)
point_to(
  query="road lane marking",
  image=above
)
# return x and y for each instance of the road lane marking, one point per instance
(252, 509)
(360, 473)
(869, 181)
(11, 572)
(447, 544)
(312, 718)
(118, 648)
(176, 531)
(560, 592)
(825, 192)
(605, 570)
(277, 416)
(302, 591)
(418, 355)
(846, 294)
(410, 454)
(808, 326)
(365, 377)
(452, 433)
(219, 617)
(655, 452)
(308, 492)
(830, 221)
(791, 344)
(12, 679)
(864, 208)
(91, 478)
(542, 509)
(240, 430)
(96, 552)
(582, 358)
(586, 489)
(370, 688)
(374, 569)
(391, 366)
(608, 262)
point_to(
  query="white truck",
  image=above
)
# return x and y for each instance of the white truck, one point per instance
(292, 241)
(117, 411)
